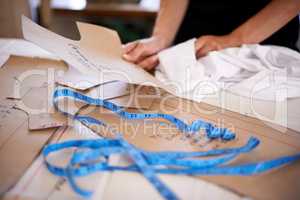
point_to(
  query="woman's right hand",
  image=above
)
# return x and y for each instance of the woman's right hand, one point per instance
(144, 52)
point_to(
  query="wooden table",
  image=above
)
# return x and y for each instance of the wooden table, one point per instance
(22, 170)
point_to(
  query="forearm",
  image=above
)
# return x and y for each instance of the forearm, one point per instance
(269, 20)
(169, 18)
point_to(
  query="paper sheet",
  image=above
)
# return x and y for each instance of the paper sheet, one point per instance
(19, 47)
(97, 54)
(46, 121)
(3, 58)
(74, 79)
(55, 187)
(185, 187)
(110, 90)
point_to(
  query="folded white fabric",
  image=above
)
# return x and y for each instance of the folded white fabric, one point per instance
(255, 71)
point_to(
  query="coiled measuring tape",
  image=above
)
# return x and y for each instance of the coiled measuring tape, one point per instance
(212, 132)
(96, 152)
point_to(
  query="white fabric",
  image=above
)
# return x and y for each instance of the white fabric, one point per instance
(255, 71)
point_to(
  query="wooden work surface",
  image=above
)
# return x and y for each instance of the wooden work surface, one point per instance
(19, 147)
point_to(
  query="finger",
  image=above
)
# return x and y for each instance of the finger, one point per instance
(200, 43)
(204, 51)
(138, 53)
(129, 46)
(128, 49)
(149, 63)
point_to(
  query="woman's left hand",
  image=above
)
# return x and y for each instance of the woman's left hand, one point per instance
(207, 43)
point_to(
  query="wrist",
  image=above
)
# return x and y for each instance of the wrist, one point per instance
(234, 40)
(163, 40)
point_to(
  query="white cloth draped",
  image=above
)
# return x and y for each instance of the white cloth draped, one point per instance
(255, 71)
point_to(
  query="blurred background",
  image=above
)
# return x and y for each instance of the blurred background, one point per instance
(133, 19)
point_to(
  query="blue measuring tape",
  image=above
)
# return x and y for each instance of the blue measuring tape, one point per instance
(212, 131)
(95, 156)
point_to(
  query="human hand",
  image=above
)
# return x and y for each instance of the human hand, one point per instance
(144, 52)
(207, 43)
